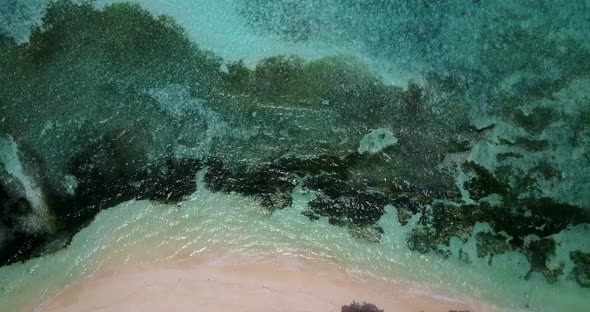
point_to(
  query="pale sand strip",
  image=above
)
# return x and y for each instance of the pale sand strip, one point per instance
(232, 284)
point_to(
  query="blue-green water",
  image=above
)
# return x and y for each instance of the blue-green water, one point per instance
(445, 143)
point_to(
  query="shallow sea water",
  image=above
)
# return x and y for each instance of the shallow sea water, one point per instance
(144, 231)
(149, 231)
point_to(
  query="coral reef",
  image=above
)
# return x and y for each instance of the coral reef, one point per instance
(117, 104)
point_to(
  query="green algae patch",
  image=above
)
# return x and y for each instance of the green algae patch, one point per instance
(457, 146)
(339, 76)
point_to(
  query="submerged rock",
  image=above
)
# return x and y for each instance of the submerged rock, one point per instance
(101, 175)
(17, 240)
(582, 269)
(271, 188)
(483, 183)
(360, 209)
(376, 141)
(108, 174)
(439, 223)
(26, 221)
(516, 220)
(422, 239)
(539, 252)
(406, 207)
(491, 244)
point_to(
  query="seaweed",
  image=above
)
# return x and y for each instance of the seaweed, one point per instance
(413, 98)
(457, 146)
(239, 78)
(271, 183)
(289, 80)
(276, 79)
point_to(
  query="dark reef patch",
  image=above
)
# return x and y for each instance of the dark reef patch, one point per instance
(272, 183)
(361, 208)
(490, 244)
(271, 188)
(582, 269)
(483, 183)
(537, 120)
(106, 177)
(512, 222)
(538, 253)
(407, 207)
(17, 243)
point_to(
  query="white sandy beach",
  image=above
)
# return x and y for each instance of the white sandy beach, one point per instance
(234, 284)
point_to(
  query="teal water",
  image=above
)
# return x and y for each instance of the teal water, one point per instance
(471, 118)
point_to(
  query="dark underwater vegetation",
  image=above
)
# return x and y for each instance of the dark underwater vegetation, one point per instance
(104, 106)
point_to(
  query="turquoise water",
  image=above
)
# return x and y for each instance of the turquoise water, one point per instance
(446, 144)
(205, 223)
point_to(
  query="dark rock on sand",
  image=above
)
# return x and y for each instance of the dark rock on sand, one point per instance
(357, 307)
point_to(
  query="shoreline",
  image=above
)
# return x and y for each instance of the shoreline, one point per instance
(234, 283)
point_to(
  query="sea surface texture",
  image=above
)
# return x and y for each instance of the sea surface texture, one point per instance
(441, 142)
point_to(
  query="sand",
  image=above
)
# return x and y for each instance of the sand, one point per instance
(222, 283)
